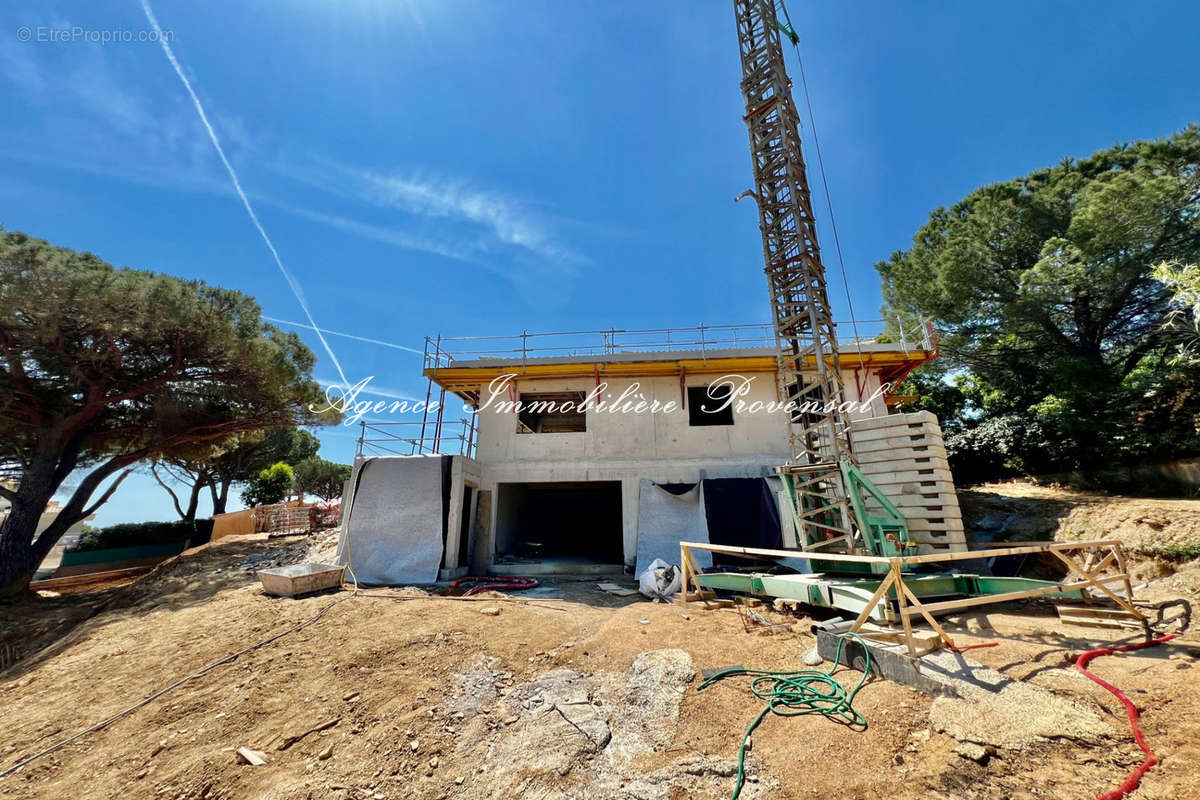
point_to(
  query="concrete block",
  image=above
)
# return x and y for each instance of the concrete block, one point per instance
(888, 661)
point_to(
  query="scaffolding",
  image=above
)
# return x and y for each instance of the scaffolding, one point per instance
(518, 349)
(440, 433)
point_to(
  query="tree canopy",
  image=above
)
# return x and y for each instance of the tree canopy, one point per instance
(238, 459)
(1044, 292)
(322, 478)
(104, 367)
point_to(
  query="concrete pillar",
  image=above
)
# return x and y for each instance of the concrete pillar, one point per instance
(630, 488)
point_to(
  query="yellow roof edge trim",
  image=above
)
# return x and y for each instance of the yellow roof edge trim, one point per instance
(454, 378)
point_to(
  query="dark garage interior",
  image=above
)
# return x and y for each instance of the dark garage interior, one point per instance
(566, 520)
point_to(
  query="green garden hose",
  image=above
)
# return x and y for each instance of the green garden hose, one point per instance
(795, 694)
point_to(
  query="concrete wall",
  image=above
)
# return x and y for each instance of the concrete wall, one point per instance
(627, 447)
(626, 436)
(620, 447)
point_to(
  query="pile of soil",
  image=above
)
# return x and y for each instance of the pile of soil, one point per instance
(1161, 537)
(406, 694)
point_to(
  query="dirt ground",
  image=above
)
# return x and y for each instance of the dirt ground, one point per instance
(564, 693)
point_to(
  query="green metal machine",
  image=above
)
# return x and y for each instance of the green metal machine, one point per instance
(851, 586)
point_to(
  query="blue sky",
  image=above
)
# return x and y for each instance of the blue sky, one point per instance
(427, 166)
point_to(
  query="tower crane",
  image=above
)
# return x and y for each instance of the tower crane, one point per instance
(822, 481)
(825, 489)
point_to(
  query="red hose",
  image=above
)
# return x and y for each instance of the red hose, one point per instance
(495, 582)
(1135, 777)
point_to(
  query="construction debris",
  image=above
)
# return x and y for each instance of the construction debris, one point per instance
(255, 758)
(612, 588)
(291, 740)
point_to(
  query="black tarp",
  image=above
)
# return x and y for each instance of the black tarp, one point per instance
(741, 512)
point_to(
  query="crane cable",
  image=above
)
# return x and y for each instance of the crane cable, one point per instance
(789, 30)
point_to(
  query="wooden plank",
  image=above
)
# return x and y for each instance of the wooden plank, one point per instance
(686, 578)
(1045, 547)
(1025, 594)
(989, 552)
(255, 758)
(902, 604)
(763, 551)
(880, 591)
(1098, 617)
(916, 601)
(1098, 612)
(85, 578)
(1123, 603)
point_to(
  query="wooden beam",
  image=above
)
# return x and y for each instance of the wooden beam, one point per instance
(1041, 591)
(931, 558)
(902, 602)
(861, 619)
(916, 601)
(1123, 603)
(685, 586)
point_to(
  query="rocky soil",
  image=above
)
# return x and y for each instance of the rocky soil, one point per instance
(566, 693)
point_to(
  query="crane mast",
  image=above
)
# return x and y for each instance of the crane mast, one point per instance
(805, 334)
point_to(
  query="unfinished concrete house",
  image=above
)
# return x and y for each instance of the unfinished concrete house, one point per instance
(524, 487)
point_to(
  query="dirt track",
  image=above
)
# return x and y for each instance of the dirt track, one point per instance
(433, 698)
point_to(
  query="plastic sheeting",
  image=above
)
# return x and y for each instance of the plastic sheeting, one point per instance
(664, 520)
(743, 512)
(392, 531)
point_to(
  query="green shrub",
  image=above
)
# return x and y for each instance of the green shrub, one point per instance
(270, 486)
(1183, 551)
(133, 534)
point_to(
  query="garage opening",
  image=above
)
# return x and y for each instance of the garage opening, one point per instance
(567, 522)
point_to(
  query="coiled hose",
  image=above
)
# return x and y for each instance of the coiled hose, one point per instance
(796, 694)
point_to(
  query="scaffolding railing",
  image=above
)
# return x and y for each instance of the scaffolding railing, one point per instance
(433, 434)
(446, 351)
(430, 436)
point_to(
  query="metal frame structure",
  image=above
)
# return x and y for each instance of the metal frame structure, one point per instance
(802, 317)
(418, 437)
(448, 351)
(900, 595)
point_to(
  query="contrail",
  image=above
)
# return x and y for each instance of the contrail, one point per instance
(345, 335)
(237, 185)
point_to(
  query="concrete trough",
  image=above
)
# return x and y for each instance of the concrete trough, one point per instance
(299, 579)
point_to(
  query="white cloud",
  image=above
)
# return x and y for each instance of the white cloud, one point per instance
(380, 233)
(441, 208)
(508, 219)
